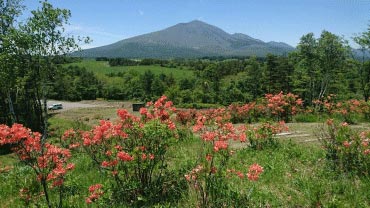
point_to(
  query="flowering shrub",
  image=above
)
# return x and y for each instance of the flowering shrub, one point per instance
(49, 162)
(95, 193)
(186, 117)
(243, 113)
(346, 150)
(366, 109)
(278, 107)
(207, 179)
(263, 136)
(349, 109)
(133, 150)
(283, 106)
(326, 104)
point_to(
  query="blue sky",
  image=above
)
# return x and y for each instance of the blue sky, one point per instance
(269, 20)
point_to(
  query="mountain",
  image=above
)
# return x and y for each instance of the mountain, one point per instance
(359, 54)
(187, 40)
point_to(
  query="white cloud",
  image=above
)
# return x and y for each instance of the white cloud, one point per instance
(98, 35)
(76, 29)
(87, 46)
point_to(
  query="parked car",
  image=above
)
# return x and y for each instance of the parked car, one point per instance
(55, 106)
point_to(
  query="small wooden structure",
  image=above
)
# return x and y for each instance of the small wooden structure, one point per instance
(137, 106)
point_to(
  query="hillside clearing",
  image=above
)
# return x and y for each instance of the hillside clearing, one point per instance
(102, 68)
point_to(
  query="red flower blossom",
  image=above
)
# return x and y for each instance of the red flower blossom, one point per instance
(329, 122)
(254, 171)
(209, 136)
(208, 157)
(346, 144)
(143, 111)
(143, 156)
(70, 166)
(240, 174)
(219, 145)
(124, 156)
(95, 187)
(96, 193)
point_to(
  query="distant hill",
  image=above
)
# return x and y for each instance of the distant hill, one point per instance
(358, 54)
(188, 40)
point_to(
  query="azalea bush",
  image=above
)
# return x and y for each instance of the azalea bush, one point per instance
(48, 162)
(208, 179)
(349, 109)
(346, 149)
(273, 106)
(283, 106)
(186, 117)
(326, 104)
(264, 136)
(243, 113)
(132, 151)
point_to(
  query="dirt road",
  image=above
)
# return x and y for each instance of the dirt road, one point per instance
(71, 105)
(90, 104)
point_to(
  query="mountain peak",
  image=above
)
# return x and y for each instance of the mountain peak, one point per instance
(184, 40)
(197, 22)
(191, 23)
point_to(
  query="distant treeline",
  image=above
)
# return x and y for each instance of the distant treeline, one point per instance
(170, 63)
(75, 83)
(132, 62)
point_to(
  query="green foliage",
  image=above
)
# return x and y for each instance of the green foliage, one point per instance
(306, 118)
(199, 105)
(225, 81)
(363, 67)
(277, 74)
(346, 150)
(28, 61)
(320, 66)
(74, 84)
(264, 136)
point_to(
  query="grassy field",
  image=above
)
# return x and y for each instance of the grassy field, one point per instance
(295, 172)
(102, 68)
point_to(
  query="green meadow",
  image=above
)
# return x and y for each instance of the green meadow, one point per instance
(102, 68)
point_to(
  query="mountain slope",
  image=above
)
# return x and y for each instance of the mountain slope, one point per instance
(187, 40)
